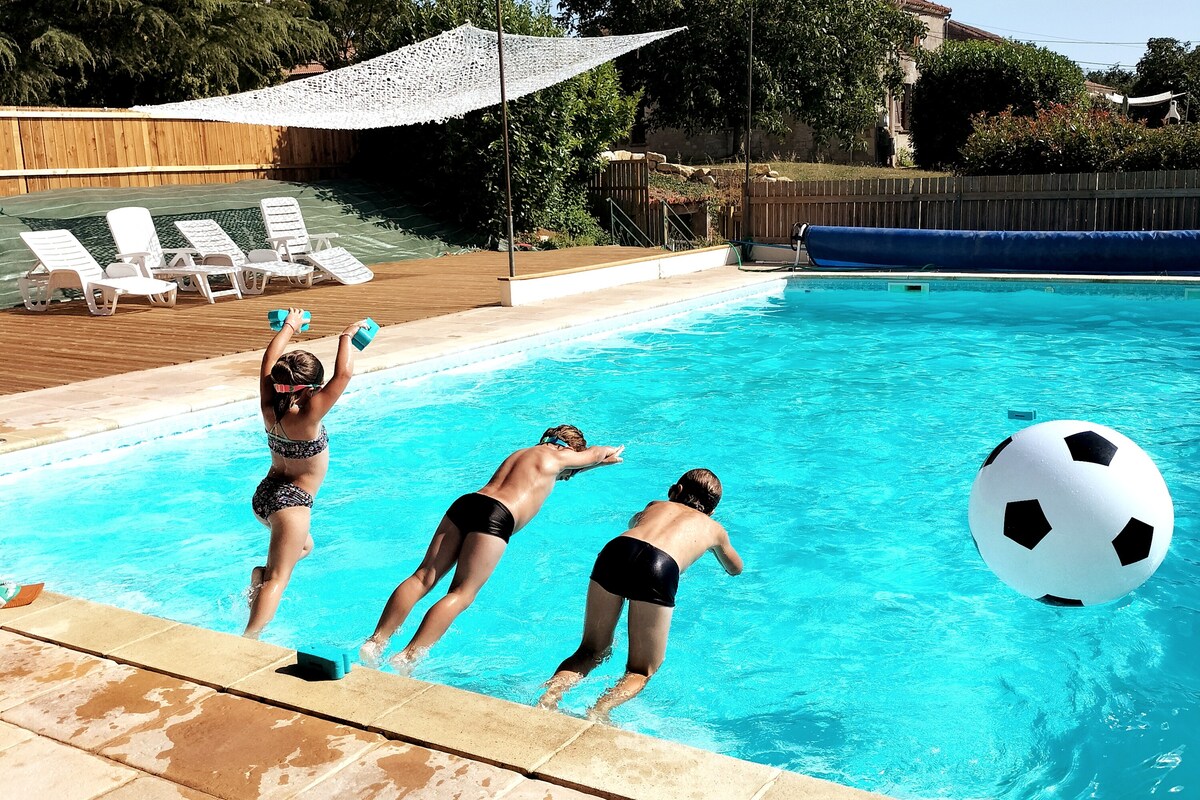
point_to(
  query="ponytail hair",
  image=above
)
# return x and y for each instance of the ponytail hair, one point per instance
(296, 367)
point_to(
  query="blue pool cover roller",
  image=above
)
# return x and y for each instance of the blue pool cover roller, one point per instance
(326, 662)
(1079, 252)
(363, 336)
(277, 317)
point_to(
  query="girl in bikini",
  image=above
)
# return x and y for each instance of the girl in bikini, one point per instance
(293, 402)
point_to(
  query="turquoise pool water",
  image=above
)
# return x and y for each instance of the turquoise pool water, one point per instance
(866, 642)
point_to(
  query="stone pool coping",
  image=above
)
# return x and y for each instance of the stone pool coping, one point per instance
(527, 744)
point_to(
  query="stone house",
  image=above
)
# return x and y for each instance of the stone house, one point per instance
(799, 142)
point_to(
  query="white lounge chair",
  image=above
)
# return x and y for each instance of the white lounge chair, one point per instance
(255, 268)
(64, 263)
(137, 241)
(293, 242)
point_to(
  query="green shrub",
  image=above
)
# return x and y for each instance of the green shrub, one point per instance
(1064, 139)
(961, 80)
(555, 137)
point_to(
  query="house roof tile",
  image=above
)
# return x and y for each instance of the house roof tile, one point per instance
(961, 32)
(924, 7)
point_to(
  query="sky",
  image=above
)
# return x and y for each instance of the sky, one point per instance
(1094, 33)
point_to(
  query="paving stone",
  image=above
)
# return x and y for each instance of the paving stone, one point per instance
(540, 790)
(208, 657)
(44, 601)
(793, 786)
(91, 627)
(105, 703)
(29, 668)
(360, 698)
(40, 768)
(155, 789)
(618, 764)
(481, 727)
(237, 748)
(11, 734)
(396, 770)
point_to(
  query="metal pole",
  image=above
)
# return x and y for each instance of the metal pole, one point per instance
(749, 115)
(512, 270)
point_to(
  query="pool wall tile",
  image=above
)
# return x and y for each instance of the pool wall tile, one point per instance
(484, 728)
(90, 627)
(214, 659)
(360, 698)
(8, 616)
(629, 766)
(92, 710)
(29, 668)
(40, 768)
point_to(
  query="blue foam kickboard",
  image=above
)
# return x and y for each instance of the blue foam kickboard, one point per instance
(277, 317)
(330, 662)
(364, 335)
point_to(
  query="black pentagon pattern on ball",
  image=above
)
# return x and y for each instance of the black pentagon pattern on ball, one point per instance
(1025, 523)
(1133, 542)
(992, 457)
(1053, 600)
(1091, 447)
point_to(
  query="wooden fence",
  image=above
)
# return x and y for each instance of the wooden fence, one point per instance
(44, 149)
(1113, 201)
(627, 185)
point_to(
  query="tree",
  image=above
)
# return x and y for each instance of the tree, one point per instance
(960, 80)
(828, 63)
(126, 52)
(1115, 76)
(555, 134)
(1168, 65)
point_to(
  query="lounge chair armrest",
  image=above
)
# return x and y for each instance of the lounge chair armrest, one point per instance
(185, 256)
(134, 256)
(122, 269)
(219, 260)
(262, 256)
(284, 239)
(321, 240)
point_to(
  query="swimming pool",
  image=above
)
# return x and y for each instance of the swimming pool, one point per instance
(866, 642)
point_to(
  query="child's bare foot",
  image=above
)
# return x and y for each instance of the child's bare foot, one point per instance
(594, 715)
(370, 653)
(404, 661)
(256, 582)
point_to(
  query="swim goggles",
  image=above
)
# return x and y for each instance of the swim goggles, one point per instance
(555, 440)
(291, 388)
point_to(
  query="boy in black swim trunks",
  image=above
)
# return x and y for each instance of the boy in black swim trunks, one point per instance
(474, 534)
(643, 566)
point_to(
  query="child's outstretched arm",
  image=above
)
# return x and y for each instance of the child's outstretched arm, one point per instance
(279, 343)
(726, 555)
(343, 369)
(577, 461)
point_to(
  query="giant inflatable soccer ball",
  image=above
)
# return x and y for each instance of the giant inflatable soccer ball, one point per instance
(1071, 513)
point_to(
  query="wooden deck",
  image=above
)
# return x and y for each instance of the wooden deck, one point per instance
(66, 344)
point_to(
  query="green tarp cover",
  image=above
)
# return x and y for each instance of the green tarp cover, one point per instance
(372, 223)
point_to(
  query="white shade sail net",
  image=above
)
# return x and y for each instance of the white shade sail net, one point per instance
(430, 81)
(1149, 100)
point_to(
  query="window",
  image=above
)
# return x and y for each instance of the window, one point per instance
(906, 107)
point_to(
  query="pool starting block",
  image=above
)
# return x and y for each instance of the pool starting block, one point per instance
(277, 317)
(363, 336)
(327, 662)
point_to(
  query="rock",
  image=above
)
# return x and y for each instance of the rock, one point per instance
(621, 155)
(667, 168)
(637, 156)
(709, 180)
(686, 171)
(608, 155)
(655, 158)
(772, 174)
(758, 169)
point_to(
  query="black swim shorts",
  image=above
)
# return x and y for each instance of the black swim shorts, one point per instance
(637, 570)
(478, 513)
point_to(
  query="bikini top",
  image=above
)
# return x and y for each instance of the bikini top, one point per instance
(298, 448)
